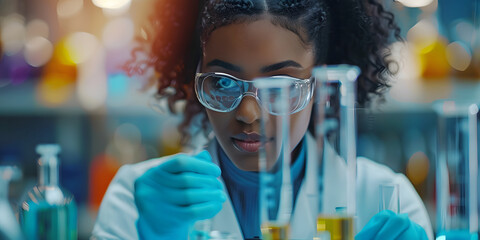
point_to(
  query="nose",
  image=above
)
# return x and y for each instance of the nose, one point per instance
(248, 111)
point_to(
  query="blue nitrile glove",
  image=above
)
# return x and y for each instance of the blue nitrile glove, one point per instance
(171, 196)
(387, 225)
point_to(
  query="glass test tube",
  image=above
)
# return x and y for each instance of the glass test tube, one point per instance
(276, 193)
(457, 170)
(335, 126)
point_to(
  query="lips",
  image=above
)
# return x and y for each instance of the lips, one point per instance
(247, 142)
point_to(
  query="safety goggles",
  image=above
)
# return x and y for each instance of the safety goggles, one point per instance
(222, 92)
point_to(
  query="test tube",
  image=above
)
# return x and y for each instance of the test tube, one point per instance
(335, 130)
(276, 194)
(457, 170)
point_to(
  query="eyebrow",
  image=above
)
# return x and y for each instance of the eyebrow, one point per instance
(280, 65)
(226, 65)
(266, 69)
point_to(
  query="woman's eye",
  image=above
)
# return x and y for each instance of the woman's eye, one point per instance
(225, 83)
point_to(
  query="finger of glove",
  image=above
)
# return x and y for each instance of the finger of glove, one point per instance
(374, 225)
(185, 163)
(185, 197)
(394, 227)
(191, 180)
(204, 155)
(415, 231)
(200, 211)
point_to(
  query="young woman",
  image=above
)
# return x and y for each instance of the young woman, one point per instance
(232, 42)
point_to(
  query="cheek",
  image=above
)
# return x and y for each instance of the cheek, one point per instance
(299, 125)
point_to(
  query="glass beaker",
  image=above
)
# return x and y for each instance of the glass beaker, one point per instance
(457, 170)
(48, 211)
(9, 227)
(335, 132)
(276, 190)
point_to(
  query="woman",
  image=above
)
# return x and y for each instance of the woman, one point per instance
(245, 39)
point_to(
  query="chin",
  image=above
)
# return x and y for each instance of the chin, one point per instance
(246, 163)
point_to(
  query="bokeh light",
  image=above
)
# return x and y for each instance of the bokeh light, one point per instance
(102, 171)
(118, 33)
(69, 8)
(13, 34)
(117, 84)
(111, 4)
(415, 3)
(417, 168)
(92, 80)
(170, 138)
(53, 90)
(126, 145)
(423, 35)
(464, 31)
(37, 28)
(80, 46)
(38, 51)
(14, 70)
(458, 56)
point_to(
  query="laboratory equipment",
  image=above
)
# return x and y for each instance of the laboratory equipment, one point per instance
(335, 132)
(389, 197)
(276, 193)
(48, 211)
(9, 227)
(457, 170)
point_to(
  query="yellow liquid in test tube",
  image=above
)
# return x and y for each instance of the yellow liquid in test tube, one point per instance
(275, 232)
(339, 227)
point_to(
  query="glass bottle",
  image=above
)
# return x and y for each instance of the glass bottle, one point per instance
(48, 211)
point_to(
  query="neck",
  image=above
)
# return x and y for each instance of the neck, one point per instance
(48, 171)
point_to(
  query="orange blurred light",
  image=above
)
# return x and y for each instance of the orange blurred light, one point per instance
(417, 168)
(102, 170)
(53, 90)
(434, 63)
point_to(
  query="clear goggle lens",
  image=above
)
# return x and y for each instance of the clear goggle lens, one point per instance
(223, 93)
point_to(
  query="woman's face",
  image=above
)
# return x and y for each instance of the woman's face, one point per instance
(247, 51)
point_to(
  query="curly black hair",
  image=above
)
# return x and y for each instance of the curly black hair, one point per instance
(355, 32)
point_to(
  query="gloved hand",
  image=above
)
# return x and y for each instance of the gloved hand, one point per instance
(387, 225)
(171, 196)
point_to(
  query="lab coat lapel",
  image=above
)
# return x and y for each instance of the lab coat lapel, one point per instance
(303, 224)
(226, 220)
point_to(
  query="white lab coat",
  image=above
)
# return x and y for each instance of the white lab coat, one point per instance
(118, 214)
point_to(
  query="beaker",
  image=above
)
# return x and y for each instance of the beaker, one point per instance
(457, 170)
(276, 190)
(335, 133)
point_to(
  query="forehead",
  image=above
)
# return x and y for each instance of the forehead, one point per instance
(254, 43)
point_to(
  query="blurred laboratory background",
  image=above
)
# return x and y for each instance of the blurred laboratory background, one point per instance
(61, 81)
